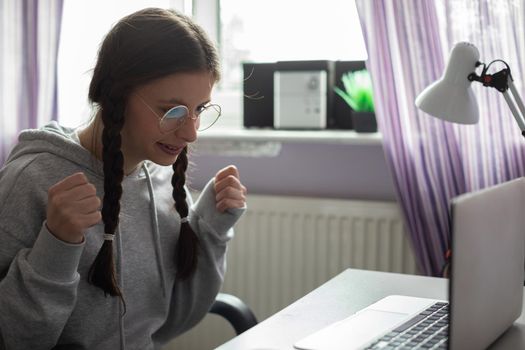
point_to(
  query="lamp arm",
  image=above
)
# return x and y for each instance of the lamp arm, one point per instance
(515, 112)
(517, 98)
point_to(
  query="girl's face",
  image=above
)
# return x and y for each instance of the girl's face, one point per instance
(142, 138)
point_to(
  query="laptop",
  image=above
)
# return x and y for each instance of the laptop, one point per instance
(485, 289)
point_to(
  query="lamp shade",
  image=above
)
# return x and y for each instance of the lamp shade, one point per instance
(451, 98)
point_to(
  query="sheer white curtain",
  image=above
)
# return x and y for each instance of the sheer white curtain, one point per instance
(29, 37)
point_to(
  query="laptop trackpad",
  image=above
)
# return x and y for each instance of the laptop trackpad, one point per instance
(353, 332)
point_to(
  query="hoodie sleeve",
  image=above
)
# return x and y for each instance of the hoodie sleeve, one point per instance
(192, 299)
(38, 272)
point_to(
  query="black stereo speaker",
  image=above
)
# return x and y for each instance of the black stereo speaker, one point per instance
(258, 95)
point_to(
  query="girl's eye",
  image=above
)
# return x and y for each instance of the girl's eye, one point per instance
(200, 109)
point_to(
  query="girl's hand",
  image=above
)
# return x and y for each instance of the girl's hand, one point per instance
(72, 207)
(229, 191)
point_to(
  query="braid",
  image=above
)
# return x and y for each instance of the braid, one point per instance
(102, 272)
(187, 247)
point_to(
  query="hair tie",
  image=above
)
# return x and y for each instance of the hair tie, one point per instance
(109, 236)
(184, 219)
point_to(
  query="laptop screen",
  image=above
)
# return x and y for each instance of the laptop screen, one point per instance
(487, 263)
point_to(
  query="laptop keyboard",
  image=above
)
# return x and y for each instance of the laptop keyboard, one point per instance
(426, 330)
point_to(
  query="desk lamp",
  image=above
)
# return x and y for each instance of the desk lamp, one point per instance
(451, 97)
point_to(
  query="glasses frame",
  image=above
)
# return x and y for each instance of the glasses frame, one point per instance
(192, 116)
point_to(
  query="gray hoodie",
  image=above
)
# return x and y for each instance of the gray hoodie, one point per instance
(45, 299)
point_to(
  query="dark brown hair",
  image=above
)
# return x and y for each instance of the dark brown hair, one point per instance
(144, 46)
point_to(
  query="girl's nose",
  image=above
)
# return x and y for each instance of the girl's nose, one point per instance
(188, 130)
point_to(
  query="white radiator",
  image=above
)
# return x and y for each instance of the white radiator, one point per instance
(284, 247)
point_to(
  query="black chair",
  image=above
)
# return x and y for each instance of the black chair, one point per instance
(235, 311)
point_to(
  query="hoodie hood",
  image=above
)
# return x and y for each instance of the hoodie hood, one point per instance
(57, 140)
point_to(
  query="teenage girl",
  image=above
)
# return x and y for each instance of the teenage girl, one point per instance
(101, 246)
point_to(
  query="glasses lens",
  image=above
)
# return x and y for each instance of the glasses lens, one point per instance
(208, 117)
(173, 118)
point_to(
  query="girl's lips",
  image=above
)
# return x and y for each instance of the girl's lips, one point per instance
(171, 150)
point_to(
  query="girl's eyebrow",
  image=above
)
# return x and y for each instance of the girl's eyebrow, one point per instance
(174, 101)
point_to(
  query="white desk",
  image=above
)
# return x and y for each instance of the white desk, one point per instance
(343, 295)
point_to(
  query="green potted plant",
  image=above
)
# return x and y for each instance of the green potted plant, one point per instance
(358, 95)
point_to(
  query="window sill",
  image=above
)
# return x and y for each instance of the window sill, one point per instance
(347, 137)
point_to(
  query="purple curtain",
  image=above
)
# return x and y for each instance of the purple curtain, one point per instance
(28, 66)
(408, 44)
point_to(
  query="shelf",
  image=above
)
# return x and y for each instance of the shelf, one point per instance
(348, 137)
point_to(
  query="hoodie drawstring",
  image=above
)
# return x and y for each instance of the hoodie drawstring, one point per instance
(155, 224)
(156, 238)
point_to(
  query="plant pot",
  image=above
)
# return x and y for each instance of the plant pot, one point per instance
(364, 121)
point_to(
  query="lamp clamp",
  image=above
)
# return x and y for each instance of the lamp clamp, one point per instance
(498, 80)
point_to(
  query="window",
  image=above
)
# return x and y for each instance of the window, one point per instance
(251, 31)
(276, 30)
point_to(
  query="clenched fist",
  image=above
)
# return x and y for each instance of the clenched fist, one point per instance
(72, 207)
(229, 191)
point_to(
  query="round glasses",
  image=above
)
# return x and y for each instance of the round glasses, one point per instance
(175, 117)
